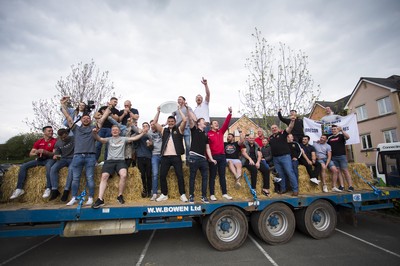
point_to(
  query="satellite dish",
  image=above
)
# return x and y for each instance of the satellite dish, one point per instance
(168, 107)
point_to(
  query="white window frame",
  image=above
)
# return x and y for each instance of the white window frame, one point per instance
(384, 106)
(390, 136)
(366, 142)
(361, 112)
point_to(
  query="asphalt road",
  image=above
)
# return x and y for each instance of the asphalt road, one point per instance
(375, 241)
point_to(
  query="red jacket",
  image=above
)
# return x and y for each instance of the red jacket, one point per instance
(216, 138)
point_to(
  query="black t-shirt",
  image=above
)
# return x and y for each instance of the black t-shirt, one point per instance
(232, 150)
(338, 144)
(199, 141)
(278, 143)
(308, 150)
(295, 150)
(114, 111)
(253, 153)
(124, 120)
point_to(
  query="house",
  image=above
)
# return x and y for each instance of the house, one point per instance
(338, 107)
(242, 123)
(376, 102)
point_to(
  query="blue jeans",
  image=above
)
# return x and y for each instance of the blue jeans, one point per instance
(23, 170)
(155, 167)
(221, 167)
(283, 165)
(68, 183)
(103, 133)
(78, 162)
(340, 161)
(295, 165)
(264, 162)
(186, 138)
(198, 163)
(63, 162)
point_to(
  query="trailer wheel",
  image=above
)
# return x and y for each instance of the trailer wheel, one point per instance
(226, 228)
(318, 220)
(275, 224)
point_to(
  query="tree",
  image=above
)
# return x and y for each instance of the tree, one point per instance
(18, 147)
(277, 81)
(86, 82)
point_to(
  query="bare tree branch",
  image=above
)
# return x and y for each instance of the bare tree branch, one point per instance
(85, 82)
(277, 81)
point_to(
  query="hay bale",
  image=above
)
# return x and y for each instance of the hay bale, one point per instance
(36, 183)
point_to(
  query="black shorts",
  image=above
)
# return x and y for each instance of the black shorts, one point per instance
(113, 166)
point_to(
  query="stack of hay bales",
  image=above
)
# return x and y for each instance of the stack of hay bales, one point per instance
(36, 183)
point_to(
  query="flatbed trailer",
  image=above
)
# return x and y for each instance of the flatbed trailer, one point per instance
(225, 223)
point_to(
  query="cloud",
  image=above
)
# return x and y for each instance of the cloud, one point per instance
(158, 50)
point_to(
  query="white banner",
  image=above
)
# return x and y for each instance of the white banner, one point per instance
(314, 129)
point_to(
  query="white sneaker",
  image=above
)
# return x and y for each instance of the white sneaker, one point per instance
(89, 201)
(72, 201)
(183, 198)
(18, 192)
(226, 196)
(315, 181)
(277, 179)
(154, 197)
(46, 193)
(335, 189)
(325, 188)
(162, 197)
(213, 198)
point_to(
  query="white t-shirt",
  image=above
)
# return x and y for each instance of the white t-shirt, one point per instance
(202, 111)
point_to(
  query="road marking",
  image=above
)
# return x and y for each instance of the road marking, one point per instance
(263, 251)
(369, 243)
(27, 250)
(145, 249)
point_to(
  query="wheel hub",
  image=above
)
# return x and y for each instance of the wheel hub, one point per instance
(225, 225)
(273, 221)
(316, 217)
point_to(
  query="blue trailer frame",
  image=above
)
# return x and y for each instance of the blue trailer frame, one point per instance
(52, 220)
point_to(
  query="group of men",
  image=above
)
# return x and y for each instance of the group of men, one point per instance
(155, 148)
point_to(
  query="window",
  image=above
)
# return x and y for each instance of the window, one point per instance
(366, 142)
(390, 136)
(361, 112)
(384, 106)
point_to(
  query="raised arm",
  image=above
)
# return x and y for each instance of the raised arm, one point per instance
(227, 120)
(345, 134)
(97, 137)
(139, 136)
(284, 120)
(103, 117)
(204, 81)
(184, 119)
(64, 110)
(155, 120)
(291, 124)
(192, 117)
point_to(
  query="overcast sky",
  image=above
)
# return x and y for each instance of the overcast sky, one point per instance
(158, 50)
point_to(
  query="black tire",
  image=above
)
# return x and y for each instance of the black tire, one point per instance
(275, 224)
(226, 228)
(317, 220)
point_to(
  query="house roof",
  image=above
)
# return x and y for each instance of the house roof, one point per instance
(337, 106)
(391, 83)
(256, 121)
